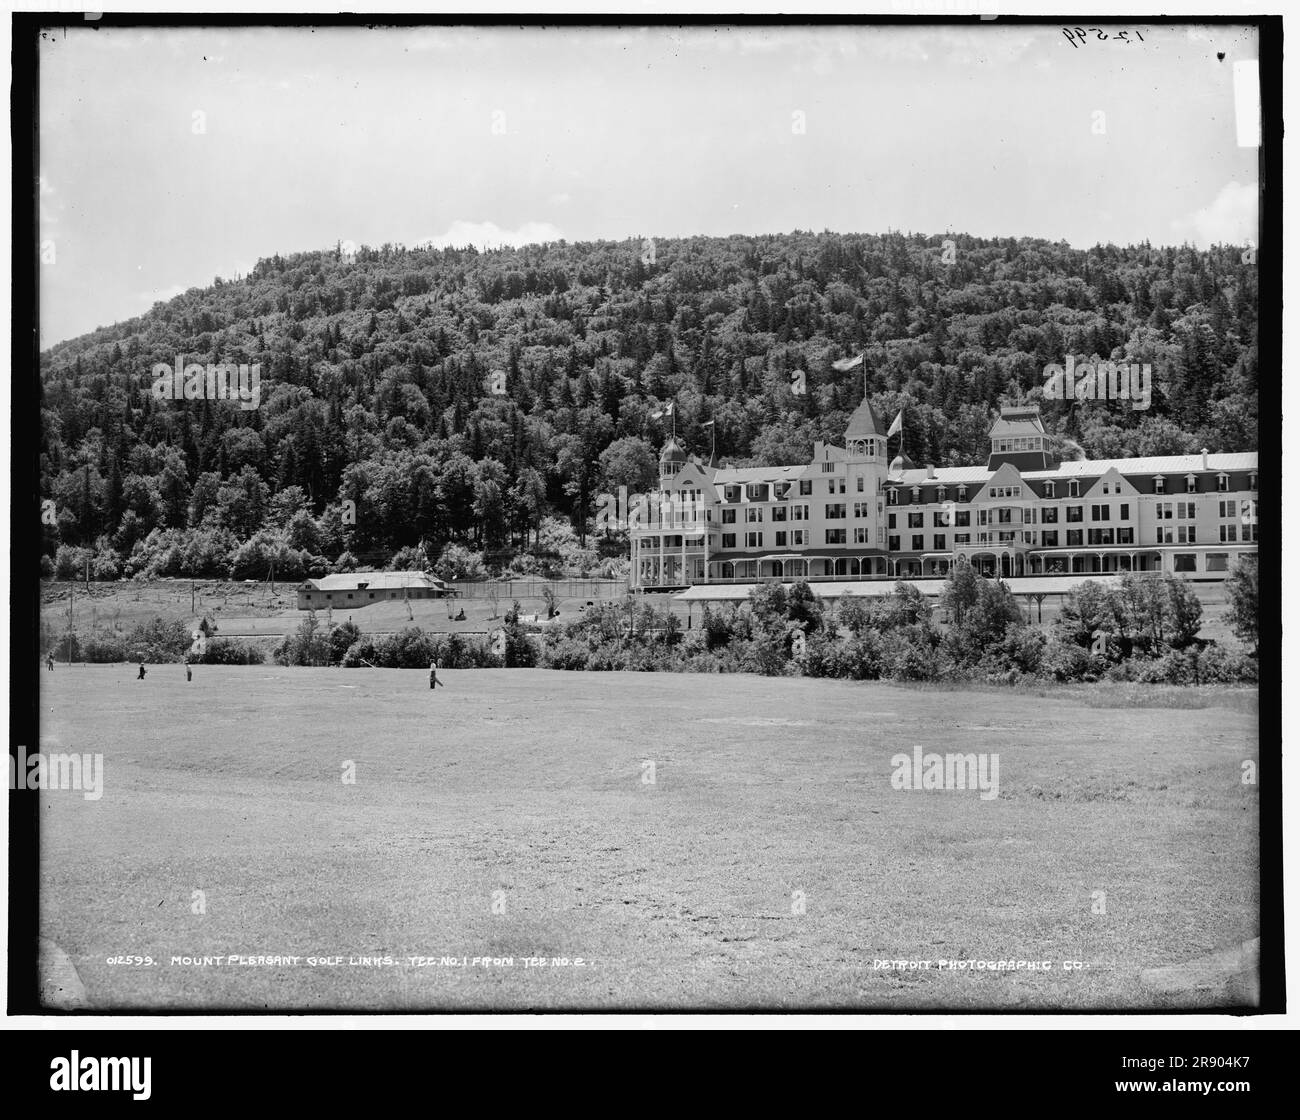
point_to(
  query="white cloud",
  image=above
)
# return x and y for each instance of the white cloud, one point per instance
(488, 235)
(1231, 219)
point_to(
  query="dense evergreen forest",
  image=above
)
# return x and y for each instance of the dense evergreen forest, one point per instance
(386, 434)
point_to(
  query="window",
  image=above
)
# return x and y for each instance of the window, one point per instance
(961, 493)
(862, 484)
(940, 517)
(1184, 561)
(1164, 511)
(916, 493)
(799, 536)
(1186, 511)
(1223, 485)
(1227, 534)
(830, 486)
(916, 520)
(893, 496)
(1049, 538)
(1074, 513)
(728, 516)
(805, 486)
(963, 517)
(1253, 478)
(731, 494)
(1124, 534)
(753, 540)
(943, 493)
(960, 538)
(1074, 488)
(1186, 534)
(1050, 514)
(1101, 513)
(1216, 561)
(861, 509)
(1074, 536)
(728, 539)
(1123, 511)
(756, 491)
(835, 511)
(780, 539)
(827, 468)
(836, 536)
(940, 541)
(862, 535)
(1160, 484)
(1228, 509)
(893, 521)
(1105, 487)
(1101, 536)
(778, 513)
(894, 546)
(918, 542)
(753, 513)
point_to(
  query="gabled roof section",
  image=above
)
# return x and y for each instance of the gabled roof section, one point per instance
(1016, 420)
(864, 422)
(373, 581)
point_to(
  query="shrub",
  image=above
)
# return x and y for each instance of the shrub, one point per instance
(307, 645)
(341, 638)
(1062, 660)
(229, 651)
(159, 640)
(104, 649)
(410, 648)
(907, 655)
(70, 562)
(1220, 666)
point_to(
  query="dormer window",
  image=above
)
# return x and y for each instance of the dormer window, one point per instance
(916, 493)
(943, 492)
(1253, 480)
(961, 493)
(1191, 484)
(893, 495)
(1223, 481)
(1074, 488)
(1049, 489)
(1160, 483)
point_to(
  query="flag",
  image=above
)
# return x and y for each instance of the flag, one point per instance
(666, 411)
(848, 363)
(896, 426)
(708, 424)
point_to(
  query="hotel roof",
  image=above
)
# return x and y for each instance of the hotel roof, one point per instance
(1093, 468)
(374, 581)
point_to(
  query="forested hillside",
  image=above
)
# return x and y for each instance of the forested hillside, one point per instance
(377, 386)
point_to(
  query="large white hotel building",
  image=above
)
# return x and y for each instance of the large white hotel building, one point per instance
(852, 515)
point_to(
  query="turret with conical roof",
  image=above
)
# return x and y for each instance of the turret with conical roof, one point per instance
(671, 459)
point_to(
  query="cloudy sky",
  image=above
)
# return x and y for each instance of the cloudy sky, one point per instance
(168, 158)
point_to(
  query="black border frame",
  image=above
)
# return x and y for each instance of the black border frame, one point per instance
(23, 853)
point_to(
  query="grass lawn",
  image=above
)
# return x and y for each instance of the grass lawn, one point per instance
(508, 816)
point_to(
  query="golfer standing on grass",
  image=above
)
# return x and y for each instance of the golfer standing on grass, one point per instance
(434, 682)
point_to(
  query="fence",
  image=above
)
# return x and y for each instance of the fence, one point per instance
(507, 589)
